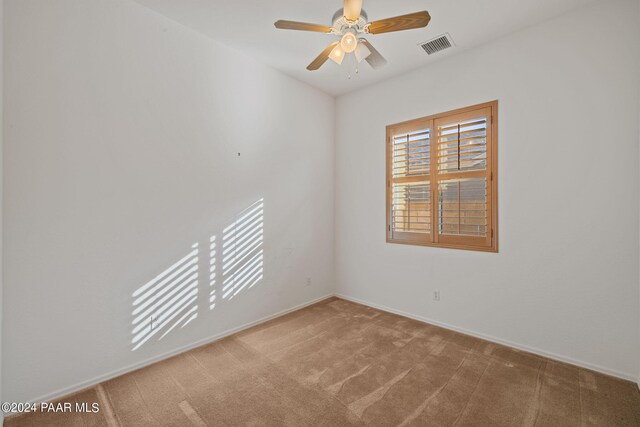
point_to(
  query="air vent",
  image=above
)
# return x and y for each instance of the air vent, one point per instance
(439, 43)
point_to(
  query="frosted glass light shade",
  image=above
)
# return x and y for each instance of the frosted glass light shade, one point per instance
(337, 54)
(362, 52)
(349, 42)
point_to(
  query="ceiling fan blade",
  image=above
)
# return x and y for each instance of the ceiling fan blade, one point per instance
(375, 59)
(302, 26)
(322, 58)
(352, 9)
(400, 23)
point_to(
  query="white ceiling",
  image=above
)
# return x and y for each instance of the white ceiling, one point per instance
(247, 25)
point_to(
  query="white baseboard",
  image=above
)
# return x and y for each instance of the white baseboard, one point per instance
(553, 356)
(118, 372)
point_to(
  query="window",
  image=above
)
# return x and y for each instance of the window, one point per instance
(442, 180)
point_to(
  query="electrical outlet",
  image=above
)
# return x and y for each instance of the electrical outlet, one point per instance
(308, 281)
(436, 295)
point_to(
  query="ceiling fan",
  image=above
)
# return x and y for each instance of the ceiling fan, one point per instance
(350, 24)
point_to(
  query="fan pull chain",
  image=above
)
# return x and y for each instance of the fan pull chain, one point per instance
(353, 65)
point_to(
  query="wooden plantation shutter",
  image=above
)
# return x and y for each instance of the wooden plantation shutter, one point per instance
(410, 185)
(441, 186)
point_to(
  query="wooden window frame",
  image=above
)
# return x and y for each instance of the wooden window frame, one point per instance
(490, 243)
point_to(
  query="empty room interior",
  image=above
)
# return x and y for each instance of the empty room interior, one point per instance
(320, 213)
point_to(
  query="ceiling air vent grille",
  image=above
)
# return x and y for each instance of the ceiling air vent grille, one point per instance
(439, 43)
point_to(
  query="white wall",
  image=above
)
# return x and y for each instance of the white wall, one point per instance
(122, 136)
(566, 279)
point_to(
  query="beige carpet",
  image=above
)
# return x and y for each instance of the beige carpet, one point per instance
(337, 364)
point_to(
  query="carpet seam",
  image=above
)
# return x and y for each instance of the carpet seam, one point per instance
(110, 413)
(580, 400)
(267, 361)
(537, 393)
(475, 389)
(437, 392)
(144, 401)
(446, 341)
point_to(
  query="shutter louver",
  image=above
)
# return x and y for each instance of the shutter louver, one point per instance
(412, 207)
(462, 146)
(411, 154)
(410, 186)
(462, 208)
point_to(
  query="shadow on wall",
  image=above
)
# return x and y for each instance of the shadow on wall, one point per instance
(170, 300)
(165, 302)
(242, 251)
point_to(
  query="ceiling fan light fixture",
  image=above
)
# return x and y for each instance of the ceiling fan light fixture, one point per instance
(350, 23)
(349, 42)
(337, 54)
(362, 52)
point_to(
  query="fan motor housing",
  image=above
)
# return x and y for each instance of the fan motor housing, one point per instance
(340, 22)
